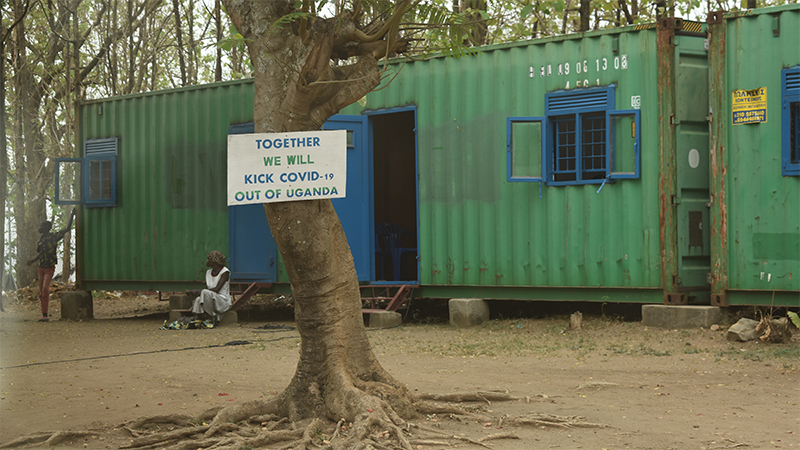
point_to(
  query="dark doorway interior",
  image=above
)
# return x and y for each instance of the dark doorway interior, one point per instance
(394, 159)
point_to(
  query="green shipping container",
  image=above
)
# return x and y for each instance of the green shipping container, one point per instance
(568, 168)
(165, 154)
(754, 89)
(547, 168)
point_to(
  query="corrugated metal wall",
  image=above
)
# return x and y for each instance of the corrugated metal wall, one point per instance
(171, 189)
(759, 207)
(475, 227)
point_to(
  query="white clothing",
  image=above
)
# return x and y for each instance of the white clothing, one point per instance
(213, 303)
(211, 282)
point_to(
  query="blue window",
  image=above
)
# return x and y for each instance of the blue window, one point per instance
(582, 139)
(525, 145)
(91, 180)
(790, 121)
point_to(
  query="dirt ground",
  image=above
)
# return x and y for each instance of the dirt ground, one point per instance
(651, 388)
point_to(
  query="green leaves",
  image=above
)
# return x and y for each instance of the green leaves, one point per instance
(794, 318)
(526, 10)
(289, 18)
(235, 40)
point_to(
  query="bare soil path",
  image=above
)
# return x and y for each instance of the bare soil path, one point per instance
(653, 388)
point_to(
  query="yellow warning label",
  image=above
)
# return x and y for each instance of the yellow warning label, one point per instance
(693, 27)
(749, 105)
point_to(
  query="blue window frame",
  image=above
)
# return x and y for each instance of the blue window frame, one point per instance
(524, 145)
(69, 173)
(790, 121)
(582, 139)
(91, 180)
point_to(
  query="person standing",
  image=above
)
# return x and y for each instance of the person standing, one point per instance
(46, 255)
(212, 302)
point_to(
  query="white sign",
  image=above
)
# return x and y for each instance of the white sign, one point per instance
(282, 167)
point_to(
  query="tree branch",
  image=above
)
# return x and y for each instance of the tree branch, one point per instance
(145, 10)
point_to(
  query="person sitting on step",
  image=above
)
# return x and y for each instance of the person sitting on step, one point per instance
(211, 303)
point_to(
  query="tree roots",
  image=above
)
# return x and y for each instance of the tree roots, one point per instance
(255, 425)
(46, 439)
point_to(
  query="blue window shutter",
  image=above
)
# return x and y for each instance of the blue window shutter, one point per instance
(99, 186)
(68, 187)
(525, 149)
(624, 144)
(98, 146)
(577, 101)
(792, 80)
(576, 155)
(790, 121)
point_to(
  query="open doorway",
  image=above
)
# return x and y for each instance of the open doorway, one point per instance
(395, 184)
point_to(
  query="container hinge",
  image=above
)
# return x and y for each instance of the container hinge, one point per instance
(710, 117)
(706, 45)
(708, 278)
(674, 120)
(710, 201)
(676, 200)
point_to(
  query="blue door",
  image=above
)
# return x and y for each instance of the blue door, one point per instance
(253, 252)
(355, 209)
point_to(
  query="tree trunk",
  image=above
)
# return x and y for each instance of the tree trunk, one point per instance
(179, 37)
(133, 81)
(3, 162)
(337, 370)
(336, 364)
(623, 7)
(565, 19)
(585, 14)
(28, 209)
(113, 53)
(218, 27)
(480, 30)
(191, 45)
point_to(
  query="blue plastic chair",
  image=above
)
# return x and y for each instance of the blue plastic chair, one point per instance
(389, 238)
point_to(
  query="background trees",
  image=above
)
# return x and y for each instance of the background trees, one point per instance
(56, 53)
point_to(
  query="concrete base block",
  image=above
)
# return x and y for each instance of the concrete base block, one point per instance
(180, 301)
(229, 318)
(468, 312)
(174, 315)
(688, 316)
(77, 305)
(384, 319)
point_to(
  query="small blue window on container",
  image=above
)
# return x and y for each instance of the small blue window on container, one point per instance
(790, 121)
(524, 147)
(577, 148)
(100, 172)
(92, 180)
(581, 139)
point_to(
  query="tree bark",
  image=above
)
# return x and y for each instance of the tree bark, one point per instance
(585, 14)
(218, 27)
(337, 375)
(179, 37)
(565, 18)
(28, 209)
(480, 30)
(3, 162)
(336, 361)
